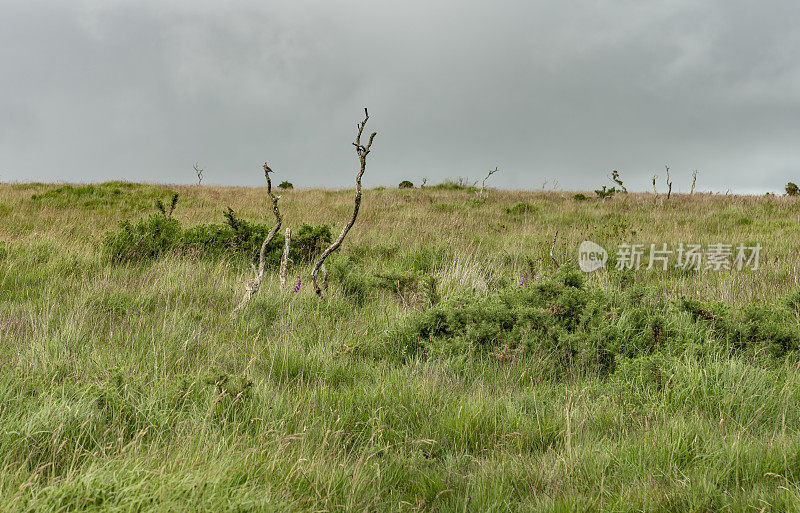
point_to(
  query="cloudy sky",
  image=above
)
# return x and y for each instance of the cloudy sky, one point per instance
(553, 93)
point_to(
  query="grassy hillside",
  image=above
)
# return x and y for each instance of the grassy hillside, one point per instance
(428, 379)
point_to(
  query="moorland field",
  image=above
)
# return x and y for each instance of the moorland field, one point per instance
(450, 366)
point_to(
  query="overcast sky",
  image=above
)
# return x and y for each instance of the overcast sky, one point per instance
(558, 92)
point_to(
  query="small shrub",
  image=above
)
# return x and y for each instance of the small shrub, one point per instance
(152, 237)
(406, 184)
(580, 197)
(792, 189)
(285, 185)
(605, 192)
(521, 208)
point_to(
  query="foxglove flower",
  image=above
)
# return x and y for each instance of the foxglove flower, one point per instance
(297, 287)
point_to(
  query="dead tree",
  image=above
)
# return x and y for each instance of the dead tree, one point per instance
(285, 258)
(362, 151)
(199, 172)
(694, 181)
(483, 184)
(669, 184)
(251, 287)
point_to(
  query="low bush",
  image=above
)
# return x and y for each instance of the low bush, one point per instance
(583, 331)
(406, 184)
(521, 208)
(152, 237)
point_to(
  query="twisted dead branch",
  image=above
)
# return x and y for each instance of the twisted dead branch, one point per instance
(483, 184)
(669, 184)
(251, 287)
(362, 151)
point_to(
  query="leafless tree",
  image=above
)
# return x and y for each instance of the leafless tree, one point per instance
(362, 150)
(669, 184)
(694, 181)
(251, 287)
(199, 172)
(483, 184)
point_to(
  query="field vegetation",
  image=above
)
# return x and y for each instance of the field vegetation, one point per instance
(449, 367)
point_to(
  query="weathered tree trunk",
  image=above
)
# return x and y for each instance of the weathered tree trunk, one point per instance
(251, 287)
(362, 151)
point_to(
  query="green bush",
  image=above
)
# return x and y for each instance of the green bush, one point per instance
(152, 237)
(792, 189)
(580, 197)
(578, 330)
(605, 192)
(285, 185)
(521, 208)
(406, 184)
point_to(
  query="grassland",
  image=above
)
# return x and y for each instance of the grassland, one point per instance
(129, 387)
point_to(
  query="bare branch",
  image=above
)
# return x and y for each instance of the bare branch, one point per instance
(251, 287)
(199, 172)
(483, 184)
(669, 184)
(694, 181)
(361, 151)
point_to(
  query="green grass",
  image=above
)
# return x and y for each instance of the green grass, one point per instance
(427, 379)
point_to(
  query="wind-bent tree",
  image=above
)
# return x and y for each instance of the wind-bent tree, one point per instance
(362, 151)
(251, 287)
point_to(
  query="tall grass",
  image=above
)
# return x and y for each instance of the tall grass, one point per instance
(128, 387)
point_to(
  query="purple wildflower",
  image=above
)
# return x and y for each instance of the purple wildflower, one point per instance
(521, 283)
(297, 287)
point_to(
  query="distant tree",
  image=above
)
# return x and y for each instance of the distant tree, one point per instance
(406, 184)
(792, 189)
(199, 172)
(617, 180)
(605, 192)
(285, 185)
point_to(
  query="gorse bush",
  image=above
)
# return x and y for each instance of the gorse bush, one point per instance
(605, 192)
(521, 208)
(157, 234)
(583, 331)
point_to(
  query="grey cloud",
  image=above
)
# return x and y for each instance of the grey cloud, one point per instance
(561, 91)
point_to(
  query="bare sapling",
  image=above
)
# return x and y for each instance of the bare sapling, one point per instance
(483, 184)
(694, 181)
(199, 172)
(251, 287)
(669, 184)
(285, 257)
(362, 150)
